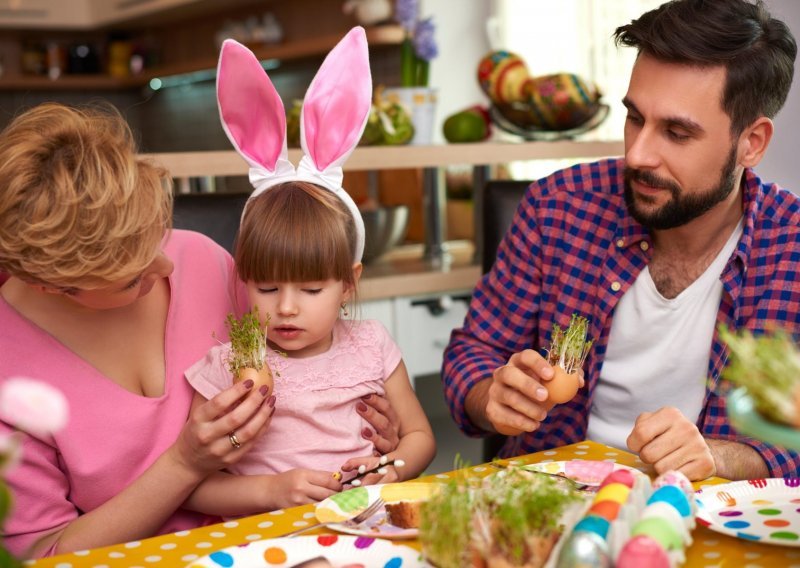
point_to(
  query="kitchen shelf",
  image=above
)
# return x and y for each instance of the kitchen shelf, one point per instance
(377, 37)
(229, 163)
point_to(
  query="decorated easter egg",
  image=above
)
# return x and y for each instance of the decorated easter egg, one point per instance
(678, 479)
(674, 496)
(593, 523)
(585, 549)
(641, 551)
(608, 510)
(616, 492)
(561, 101)
(666, 511)
(503, 76)
(623, 476)
(661, 530)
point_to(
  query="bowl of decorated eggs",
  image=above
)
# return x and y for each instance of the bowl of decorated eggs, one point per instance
(546, 107)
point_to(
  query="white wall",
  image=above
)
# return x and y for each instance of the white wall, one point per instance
(463, 41)
(781, 161)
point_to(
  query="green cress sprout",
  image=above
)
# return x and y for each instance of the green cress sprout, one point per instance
(768, 366)
(568, 349)
(248, 342)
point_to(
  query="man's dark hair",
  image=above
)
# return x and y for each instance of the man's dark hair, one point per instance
(757, 50)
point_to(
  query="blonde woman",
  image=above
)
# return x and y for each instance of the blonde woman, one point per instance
(100, 300)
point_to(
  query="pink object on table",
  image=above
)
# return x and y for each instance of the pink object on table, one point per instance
(623, 476)
(643, 551)
(587, 471)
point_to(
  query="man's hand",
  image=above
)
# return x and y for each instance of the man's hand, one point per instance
(516, 393)
(667, 440)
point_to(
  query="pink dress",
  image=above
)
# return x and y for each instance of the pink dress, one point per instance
(315, 425)
(113, 435)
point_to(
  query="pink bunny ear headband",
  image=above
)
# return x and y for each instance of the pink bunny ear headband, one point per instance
(335, 111)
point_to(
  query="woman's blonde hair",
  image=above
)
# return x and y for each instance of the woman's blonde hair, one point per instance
(78, 208)
(296, 232)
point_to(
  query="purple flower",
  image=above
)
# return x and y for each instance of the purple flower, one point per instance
(424, 40)
(406, 13)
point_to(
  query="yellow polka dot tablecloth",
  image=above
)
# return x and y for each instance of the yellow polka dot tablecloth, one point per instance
(710, 549)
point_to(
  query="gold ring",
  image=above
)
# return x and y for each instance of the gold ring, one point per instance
(234, 440)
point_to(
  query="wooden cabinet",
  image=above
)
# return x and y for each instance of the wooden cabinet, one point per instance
(180, 36)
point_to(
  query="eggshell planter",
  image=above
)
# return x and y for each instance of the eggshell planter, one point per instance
(259, 377)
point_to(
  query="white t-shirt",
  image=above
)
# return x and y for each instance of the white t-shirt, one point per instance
(658, 352)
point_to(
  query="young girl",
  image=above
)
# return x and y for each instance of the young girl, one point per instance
(299, 252)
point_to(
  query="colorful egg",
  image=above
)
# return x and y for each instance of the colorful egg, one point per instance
(609, 510)
(623, 476)
(678, 479)
(661, 530)
(593, 524)
(666, 511)
(585, 549)
(503, 76)
(642, 551)
(616, 492)
(675, 497)
(561, 101)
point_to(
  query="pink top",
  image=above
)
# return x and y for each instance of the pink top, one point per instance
(113, 435)
(315, 425)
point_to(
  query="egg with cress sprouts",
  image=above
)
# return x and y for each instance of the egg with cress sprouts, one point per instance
(568, 351)
(247, 358)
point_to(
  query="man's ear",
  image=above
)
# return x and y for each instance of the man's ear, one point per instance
(753, 142)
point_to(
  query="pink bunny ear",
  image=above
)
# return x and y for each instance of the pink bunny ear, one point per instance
(249, 107)
(337, 104)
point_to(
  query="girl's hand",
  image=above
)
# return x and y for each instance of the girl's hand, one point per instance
(350, 468)
(378, 412)
(301, 486)
(208, 440)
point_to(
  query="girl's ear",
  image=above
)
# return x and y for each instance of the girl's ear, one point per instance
(358, 268)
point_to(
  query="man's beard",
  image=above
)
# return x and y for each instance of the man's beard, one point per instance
(681, 208)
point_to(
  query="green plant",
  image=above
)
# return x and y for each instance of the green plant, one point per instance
(248, 342)
(419, 46)
(768, 366)
(568, 349)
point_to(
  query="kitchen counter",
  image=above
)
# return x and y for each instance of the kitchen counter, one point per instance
(403, 272)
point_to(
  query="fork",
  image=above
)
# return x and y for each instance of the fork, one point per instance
(575, 484)
(376, 506)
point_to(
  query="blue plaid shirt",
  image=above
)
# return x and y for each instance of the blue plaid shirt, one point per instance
(573, 248)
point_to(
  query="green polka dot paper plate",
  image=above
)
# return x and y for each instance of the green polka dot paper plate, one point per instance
(759, 510)
(339, 551)
(345, 505)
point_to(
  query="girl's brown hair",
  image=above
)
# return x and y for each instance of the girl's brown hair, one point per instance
(78, 209)
(296, 232)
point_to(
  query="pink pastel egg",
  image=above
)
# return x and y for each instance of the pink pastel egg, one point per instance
(622, 476)
(641, 551)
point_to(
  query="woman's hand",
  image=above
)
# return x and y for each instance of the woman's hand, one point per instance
(221, 430)
(385, 433)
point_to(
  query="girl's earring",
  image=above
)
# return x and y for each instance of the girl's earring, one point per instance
(345, 313)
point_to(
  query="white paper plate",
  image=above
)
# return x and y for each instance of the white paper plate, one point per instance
(347, 504)
(339, 550)
(761, 510)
